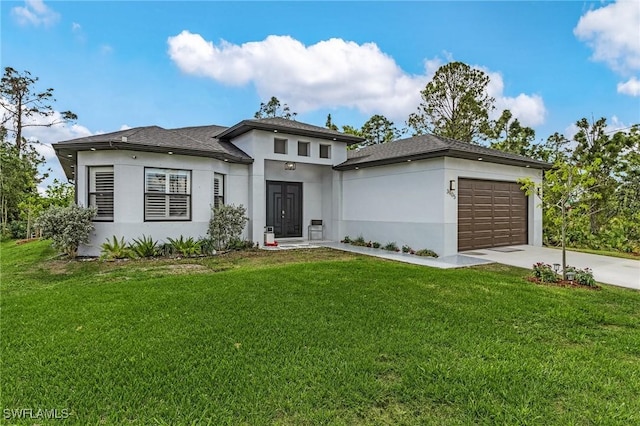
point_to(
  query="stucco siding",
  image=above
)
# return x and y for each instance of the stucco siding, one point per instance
(409, 203)
(128, 221)
(399, 202)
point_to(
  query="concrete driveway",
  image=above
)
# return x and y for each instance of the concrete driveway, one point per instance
(608, 270)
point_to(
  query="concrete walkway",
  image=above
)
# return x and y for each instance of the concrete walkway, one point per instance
(455, 261)
(606, 269)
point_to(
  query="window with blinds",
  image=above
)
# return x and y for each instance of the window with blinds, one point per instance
(167, 194)
(101, 192)
(218, 190)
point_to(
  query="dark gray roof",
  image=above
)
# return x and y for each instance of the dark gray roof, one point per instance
(198, 140)
(278, 124)
(431, 146)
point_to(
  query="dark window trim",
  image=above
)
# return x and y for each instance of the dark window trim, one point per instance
(328, 157)
(308, 146)
(286, 146)
(144, 191)
(89, 192)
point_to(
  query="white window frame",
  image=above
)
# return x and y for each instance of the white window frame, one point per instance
(165, 194)
(218, 190)
(100, 192)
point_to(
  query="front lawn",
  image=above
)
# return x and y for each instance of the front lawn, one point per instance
(308, 337)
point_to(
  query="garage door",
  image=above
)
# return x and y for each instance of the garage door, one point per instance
(490, 214)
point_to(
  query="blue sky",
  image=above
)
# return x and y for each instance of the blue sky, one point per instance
(174, 64)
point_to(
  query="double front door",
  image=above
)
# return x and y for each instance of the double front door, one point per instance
(284, 208)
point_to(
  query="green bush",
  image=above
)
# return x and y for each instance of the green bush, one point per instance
(186, 248)
(68, 227)
(145, 247)
(227, 224)
(360, 242)
(406, 249)
(583, 276)
(376, 244)
(545, 273)
(346, 240)
(115, 249)
(207, 246)
(426, 253)
(391, 246)
(241, 245)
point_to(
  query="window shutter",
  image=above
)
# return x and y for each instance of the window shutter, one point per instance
(101, 191)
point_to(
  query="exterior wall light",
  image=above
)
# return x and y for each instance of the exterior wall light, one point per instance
(289, 165)
(452, 188)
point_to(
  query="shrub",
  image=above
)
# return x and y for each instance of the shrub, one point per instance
(359, 241)
(545, 273)
(391, 246)
(426, 253)
(186, 248)
(145, 247)
(376, 244)
(583, 276)
(241, 245)
(68, 227)
(166, 249)
(227, 224)
(207, 246)
(115, 249)
(14, 230)
(346, 240)
(406, 249)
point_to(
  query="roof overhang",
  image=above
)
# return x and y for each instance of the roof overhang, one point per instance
(67, 153)
(447, 152)
(248, 125)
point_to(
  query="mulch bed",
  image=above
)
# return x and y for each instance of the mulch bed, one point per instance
(562, 283)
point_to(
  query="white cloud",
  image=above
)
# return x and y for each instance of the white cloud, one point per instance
(35, 12)
(630, 87)
(331, 73)
(613, 32)
(528, 109)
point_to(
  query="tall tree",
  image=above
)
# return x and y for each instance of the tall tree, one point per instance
(19, 178)
(378, 129)
(22, 102)
(594, 145)
(273, 109)
(507, 134)
(329, 124)
(455, 104)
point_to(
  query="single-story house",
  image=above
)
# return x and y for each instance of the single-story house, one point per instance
(424, 191)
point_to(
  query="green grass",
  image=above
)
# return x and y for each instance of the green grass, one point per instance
(310, 337)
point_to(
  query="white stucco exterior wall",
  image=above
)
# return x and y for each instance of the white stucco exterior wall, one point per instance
(399, 203)
(315, 173)
(408, 203)
(128, 168)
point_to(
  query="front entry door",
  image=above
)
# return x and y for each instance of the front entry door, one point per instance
(284, 208)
